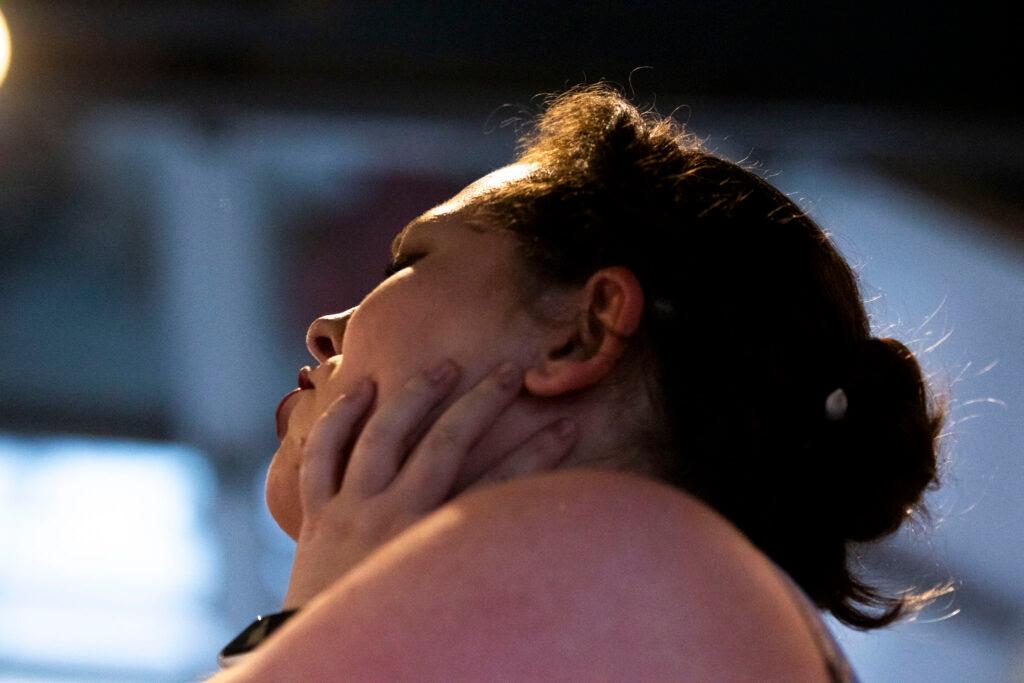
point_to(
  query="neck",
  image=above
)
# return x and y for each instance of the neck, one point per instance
(609, 433)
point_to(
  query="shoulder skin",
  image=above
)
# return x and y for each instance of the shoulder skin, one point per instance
(574, 575)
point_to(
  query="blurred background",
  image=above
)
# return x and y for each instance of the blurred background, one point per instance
(185, 185)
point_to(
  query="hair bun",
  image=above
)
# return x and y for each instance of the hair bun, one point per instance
(887, 439)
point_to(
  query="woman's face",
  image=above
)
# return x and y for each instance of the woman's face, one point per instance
(452, 296)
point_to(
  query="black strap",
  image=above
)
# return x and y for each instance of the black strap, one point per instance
(253, 634)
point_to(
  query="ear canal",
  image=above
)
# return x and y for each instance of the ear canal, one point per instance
(563, 351)
(606, 314)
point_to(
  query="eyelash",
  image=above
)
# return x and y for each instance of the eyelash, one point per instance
(401, 262)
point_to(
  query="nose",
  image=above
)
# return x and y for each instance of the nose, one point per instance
(323, 338)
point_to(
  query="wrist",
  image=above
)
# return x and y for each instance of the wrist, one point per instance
(252, 636)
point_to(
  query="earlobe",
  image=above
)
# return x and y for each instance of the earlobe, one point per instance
(610, 313)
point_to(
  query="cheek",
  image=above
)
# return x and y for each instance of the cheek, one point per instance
(396, 331)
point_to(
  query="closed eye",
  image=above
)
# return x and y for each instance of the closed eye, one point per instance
(400, 262)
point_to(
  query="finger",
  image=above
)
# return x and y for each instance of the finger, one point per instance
(384, 441)
(323, 456)
(431, 471)
(541, 452)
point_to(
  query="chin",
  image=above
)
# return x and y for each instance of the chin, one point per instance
(281, 497)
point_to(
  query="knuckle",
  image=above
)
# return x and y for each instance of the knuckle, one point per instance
(444, 437)
(419, 386)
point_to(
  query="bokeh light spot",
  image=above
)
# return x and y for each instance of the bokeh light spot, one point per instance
(5, 48)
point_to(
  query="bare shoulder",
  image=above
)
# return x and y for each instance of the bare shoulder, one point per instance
(578, 574)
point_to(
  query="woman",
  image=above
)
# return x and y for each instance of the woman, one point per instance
(609, 404)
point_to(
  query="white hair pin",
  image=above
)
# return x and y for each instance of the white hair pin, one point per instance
(835, 405)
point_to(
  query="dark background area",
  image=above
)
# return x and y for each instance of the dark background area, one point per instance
(954, 66)
(958, 58)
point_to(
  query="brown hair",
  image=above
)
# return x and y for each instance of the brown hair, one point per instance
(752, 318)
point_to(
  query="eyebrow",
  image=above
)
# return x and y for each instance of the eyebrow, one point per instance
(420, 223)
(396, 243)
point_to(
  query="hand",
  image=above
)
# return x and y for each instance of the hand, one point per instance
(383, 492)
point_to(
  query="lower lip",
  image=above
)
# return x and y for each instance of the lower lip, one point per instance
(281, 417)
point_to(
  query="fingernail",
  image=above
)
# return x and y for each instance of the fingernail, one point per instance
(508, 375)
(441, 371)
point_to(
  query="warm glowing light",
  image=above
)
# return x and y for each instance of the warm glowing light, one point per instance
(5, 48)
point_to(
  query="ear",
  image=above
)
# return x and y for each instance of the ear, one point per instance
(580, 356)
